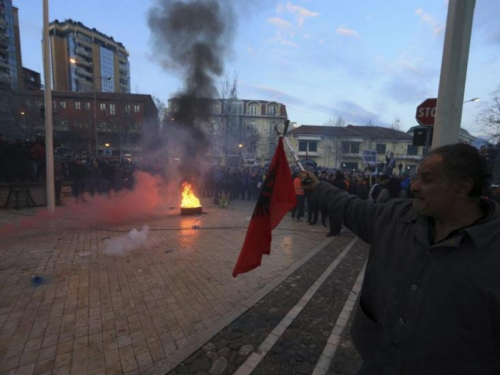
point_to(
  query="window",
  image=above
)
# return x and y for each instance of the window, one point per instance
(350, 148)
(78, 123)
(63, 104)
(103, 124)
(137, 108)
(87, 105)
(127, 109)
(78, 105)
(28, 103)
(271, 111)
(412, 150)
(305, 146)
(381, 149)
(103, 106)
(63, 122)
(252, 128)
(214, 109)
(54, 105)
(112, 109)
(252, 110)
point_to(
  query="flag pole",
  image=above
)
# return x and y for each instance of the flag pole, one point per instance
(290, 148)
(307, 180)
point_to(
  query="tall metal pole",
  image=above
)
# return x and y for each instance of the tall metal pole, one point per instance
(95, 125)
(49, 144)
(453, 72)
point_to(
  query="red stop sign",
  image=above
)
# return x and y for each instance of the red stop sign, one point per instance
(426, 112)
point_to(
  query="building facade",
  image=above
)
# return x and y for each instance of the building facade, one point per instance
(10, 46)
(239, 130)
(31, 80)
(343, 147)
(86, 60)
(100, 124)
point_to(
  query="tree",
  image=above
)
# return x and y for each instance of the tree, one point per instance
(490, 120)
(370, 123)
(162, 110)
(336, 122)
(397, 124)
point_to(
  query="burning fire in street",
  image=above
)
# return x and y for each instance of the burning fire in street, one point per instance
(190, 204)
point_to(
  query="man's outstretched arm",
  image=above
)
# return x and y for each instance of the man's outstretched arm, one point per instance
(356, 214)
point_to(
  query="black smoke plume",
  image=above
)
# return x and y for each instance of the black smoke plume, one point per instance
(195, 37)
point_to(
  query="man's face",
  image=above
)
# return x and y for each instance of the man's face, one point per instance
(434, 196)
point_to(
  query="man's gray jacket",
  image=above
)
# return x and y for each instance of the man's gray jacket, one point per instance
(424, 309)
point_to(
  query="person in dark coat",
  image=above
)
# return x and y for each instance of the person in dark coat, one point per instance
(430, 301)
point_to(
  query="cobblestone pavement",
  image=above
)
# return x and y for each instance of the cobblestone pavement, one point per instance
(300, 327)
(66, 307)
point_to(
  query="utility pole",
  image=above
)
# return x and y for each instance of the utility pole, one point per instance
(49, 143)
(453, 72)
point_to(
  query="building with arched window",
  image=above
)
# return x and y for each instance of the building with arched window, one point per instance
(239, 127)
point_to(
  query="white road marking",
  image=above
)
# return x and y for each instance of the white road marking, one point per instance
(251, 363)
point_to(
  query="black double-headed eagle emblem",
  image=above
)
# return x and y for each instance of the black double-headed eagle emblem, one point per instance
(262, 208)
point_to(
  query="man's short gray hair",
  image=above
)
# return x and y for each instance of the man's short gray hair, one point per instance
(463, 162)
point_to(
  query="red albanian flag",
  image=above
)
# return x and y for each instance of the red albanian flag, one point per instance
(276, 198)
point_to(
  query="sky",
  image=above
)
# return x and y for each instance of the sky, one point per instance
(365, 60)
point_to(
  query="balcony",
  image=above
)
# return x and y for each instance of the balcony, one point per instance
(4, 65)
(353, 155)
(4, 41)
(408, 157)
(82, 51)
(83, 72)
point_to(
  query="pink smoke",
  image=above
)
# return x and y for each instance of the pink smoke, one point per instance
(100, 210)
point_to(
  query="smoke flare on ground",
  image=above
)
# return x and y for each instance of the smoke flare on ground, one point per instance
(124, 244)
(194, 36)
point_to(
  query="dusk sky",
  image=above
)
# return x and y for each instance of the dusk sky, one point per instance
(362, 60)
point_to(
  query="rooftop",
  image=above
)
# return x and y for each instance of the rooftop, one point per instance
(71, 22)
(371, 132)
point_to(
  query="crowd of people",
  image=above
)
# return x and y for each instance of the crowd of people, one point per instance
(380, 189)
(22, 160)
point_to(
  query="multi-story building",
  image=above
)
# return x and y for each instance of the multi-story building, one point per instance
(239, 130)
(343, 147)
(10, 46)
(98, 123)
(31, 80)
(86, 60)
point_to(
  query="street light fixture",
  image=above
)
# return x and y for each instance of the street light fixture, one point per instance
(106, 145)
(472, 100)
(240, 145)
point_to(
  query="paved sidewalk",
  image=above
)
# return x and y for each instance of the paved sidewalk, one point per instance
(98, 314)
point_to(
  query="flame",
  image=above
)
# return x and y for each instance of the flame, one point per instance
(189, 200)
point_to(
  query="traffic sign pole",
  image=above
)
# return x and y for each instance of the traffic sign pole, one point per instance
(453, 72)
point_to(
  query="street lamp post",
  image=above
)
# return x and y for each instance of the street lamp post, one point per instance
(73, 61)
(49, 143)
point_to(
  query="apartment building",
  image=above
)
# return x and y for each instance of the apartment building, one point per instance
(102, 124)
(86, 60)
(11, 75)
